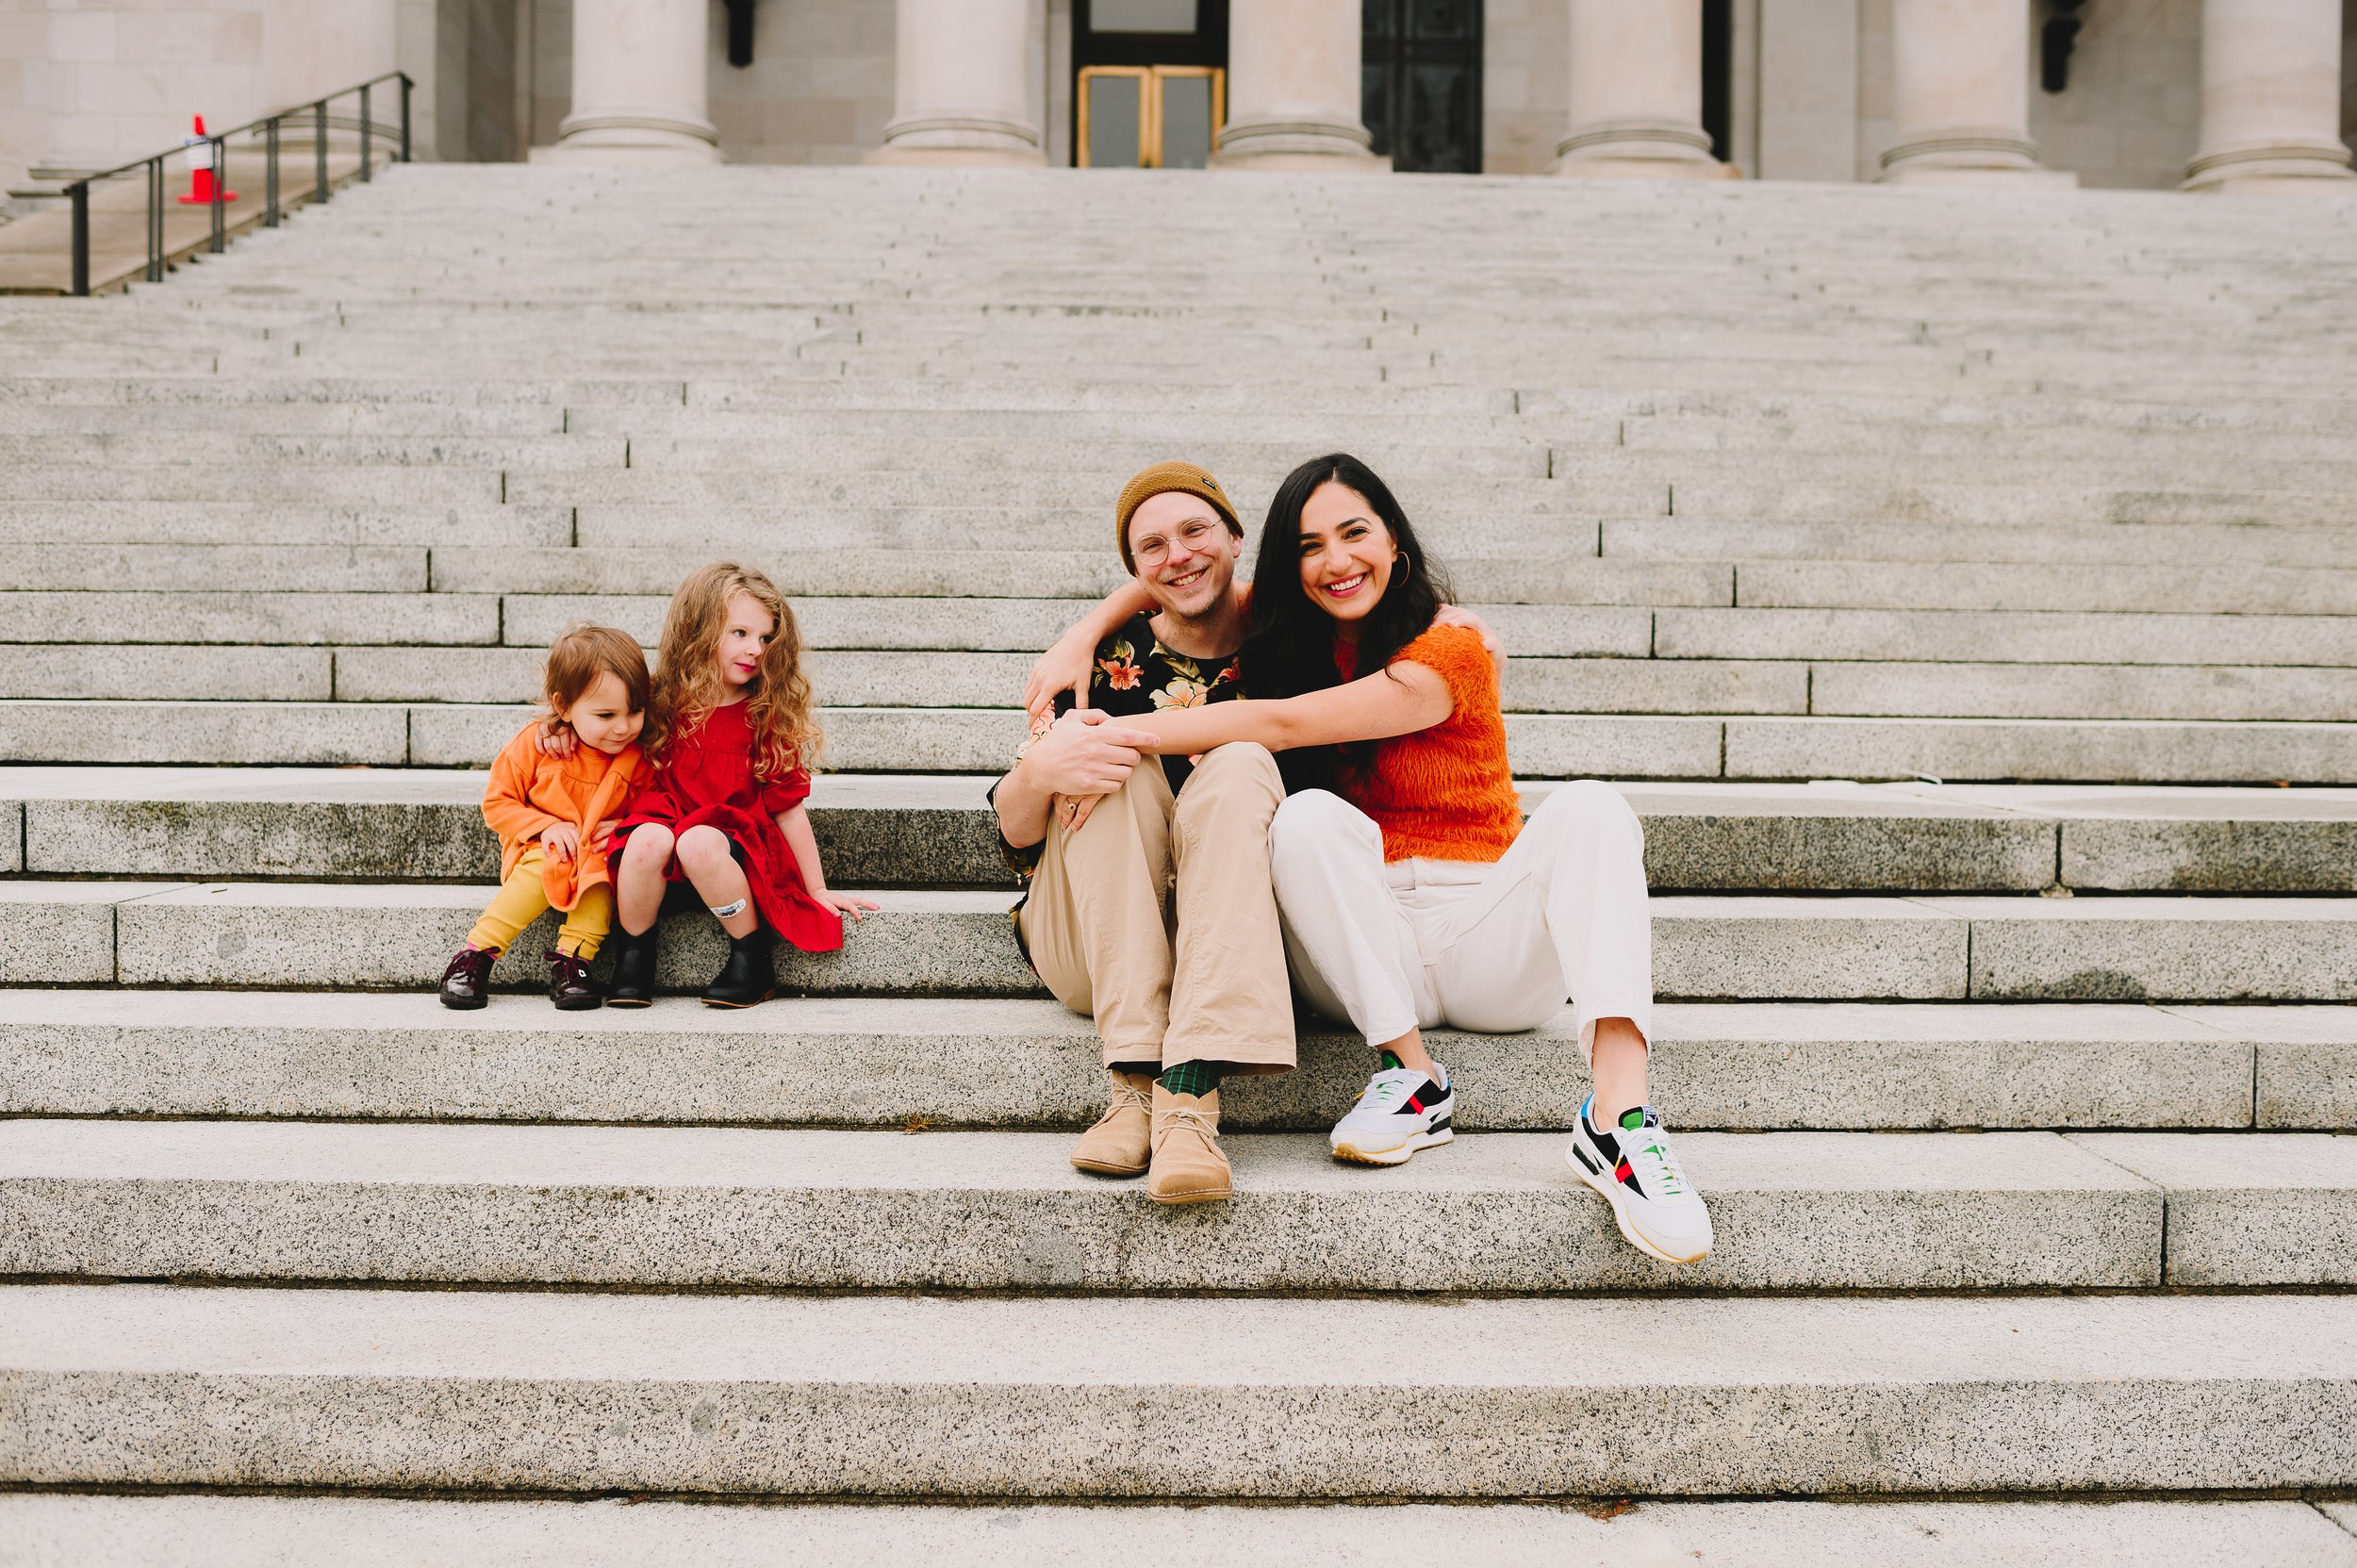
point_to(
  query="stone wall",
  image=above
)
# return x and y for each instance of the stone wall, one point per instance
(2129, 118)
(2131, 115)
(98, 82)
(819, 88)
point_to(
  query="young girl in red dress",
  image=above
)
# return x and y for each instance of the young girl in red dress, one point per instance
(726, 810)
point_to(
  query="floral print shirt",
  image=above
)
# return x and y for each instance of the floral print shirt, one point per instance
(1135, 673)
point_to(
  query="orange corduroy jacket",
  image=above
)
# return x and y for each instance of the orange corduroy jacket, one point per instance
(528, 792)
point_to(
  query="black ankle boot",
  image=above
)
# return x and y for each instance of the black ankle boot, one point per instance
(746, 977)
(634, 969)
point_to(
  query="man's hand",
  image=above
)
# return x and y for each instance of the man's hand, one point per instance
(1066, 667)
(1087, 752)
(560, 840)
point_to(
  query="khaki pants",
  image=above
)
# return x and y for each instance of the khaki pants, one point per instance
(1156, 918)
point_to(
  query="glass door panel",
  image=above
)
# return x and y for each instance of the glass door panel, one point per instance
(1149, 116)
(1190, 116)
(1112, 117)
(1142, 16)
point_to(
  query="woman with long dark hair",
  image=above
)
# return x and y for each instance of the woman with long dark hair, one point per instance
(1412, 892)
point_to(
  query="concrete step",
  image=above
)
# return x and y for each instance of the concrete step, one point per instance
(622, 573)
(250, 617)
(278, 524)
(2219, 588)
(943, 1397)
(936, 830)
(395, 936)
(2025, 636)
(54, 1530)
(2136, 546)
(109, 569)
(894, 1062)
(132, 451)
(716, 1207)
(1540, 745)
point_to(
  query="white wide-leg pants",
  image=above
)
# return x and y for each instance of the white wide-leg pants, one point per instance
(1495, 947)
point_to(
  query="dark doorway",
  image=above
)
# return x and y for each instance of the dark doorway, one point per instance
(1149, 81)
(1719, 77)
(1421, 95)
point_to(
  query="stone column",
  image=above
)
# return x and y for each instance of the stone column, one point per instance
(962, 85)
(640, 90)
(2271, 97)
(1294, 80)
(1960, 96)
(1637, 93)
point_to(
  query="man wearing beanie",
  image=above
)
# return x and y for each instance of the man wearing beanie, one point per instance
(1150, 908)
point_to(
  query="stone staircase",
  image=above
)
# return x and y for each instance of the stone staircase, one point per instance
(1955, 583)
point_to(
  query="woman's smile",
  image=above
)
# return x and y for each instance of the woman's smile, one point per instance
(1344, 588)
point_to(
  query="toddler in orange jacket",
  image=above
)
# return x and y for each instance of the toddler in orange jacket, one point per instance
(554, 815)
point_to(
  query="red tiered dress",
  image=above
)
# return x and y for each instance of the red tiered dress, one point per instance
(705, 778)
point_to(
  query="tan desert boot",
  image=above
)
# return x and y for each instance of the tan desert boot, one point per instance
(1117, 1144)
(1188, 1167)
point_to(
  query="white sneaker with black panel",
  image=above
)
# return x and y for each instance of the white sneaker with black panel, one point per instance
(1631, 1164)
(1400, 1112)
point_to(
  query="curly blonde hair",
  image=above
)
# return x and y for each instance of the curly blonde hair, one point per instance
(688, 684)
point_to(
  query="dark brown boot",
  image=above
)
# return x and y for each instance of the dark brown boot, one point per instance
(570, 985)
(467, 981)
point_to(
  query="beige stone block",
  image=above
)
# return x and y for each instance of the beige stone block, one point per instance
(836, 30)
(742, 123)
(124, 87)
(24, 35)
(180, 36)
(81, 139)
(238, 38)
(814, 121)
(43, 82)
(2159, 59)
(81, 36)
(2125, 19)
(1504, 89)
(2085, 148)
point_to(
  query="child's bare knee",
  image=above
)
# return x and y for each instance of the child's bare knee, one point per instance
(649, 845)
(703, 849)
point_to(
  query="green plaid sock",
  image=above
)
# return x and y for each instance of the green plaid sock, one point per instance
(1191, 1078)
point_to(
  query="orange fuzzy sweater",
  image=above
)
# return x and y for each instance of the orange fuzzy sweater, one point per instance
(1444, 793)
(528, 792)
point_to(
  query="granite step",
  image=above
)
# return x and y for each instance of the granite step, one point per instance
(393, 936)
(706, 1208)
(1540, 745)
(65, 1530)
(568, 1393)
(936, 830)
(899, 1062)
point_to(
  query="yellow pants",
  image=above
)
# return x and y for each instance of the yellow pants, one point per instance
(522, 899)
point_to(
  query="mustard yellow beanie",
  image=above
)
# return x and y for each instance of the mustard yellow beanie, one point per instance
(1154, 481)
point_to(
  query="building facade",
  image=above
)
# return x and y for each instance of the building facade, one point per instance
(2149, 93)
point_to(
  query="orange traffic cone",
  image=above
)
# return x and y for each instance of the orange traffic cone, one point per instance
(201, 169)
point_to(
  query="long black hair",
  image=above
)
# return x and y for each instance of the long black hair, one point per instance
(1289, 645)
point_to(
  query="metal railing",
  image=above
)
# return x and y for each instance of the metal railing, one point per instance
(78, 192)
